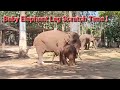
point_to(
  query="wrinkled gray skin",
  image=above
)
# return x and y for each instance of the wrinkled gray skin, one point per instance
(54, 41)
(69, 52)
(85, 41)
(74, 41)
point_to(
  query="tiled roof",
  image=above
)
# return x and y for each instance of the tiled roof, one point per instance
(6, 27)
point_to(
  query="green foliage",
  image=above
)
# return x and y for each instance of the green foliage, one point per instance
(112, 30)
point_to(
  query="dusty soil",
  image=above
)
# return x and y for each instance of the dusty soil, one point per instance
(95, 64)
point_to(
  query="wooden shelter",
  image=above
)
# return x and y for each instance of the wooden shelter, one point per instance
(3, 28)
(31, 32)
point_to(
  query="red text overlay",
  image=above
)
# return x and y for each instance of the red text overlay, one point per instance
(54, 19)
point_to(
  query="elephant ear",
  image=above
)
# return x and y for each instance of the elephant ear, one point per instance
(67, 38)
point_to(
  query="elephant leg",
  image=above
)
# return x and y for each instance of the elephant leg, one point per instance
(95, 44)
(60, 58)
(88, 46)
(40, 51)
(53, 57)
(85, 46)
(74, 62)
(40, 61)
(9, 41)
(61, 63)
(79, 55)
(71, 62)
(65, 60)
(82, 46)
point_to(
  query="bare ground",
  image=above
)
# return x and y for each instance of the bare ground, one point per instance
(95, 64)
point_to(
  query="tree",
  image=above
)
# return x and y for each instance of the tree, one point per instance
(74, 26)
(112, 27)
(22, 37)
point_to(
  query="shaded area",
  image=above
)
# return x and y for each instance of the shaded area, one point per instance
(104, 69)
(9, 55)
(92, 52)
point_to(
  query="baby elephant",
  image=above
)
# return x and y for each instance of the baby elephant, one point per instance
(69, 52)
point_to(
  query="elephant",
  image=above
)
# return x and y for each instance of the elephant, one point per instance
(85, 40)
(74, 41)
(97, 41)
(54, 41)
(69, 52)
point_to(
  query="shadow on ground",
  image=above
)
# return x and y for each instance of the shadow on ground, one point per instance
(10, 55)
(85, 69)
(105, 69)
(92, 52)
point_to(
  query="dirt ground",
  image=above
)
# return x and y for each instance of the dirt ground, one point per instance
(95, 64)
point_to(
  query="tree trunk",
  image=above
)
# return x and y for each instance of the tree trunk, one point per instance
(0, 37)
(78, 14)
(63, 27)
(55, 26)
(74, 26)
(102, 35)
(3, 40)
(70, 15)
(44, 27)
(2, 44)
(85, 28)
(82, 28)
(103, 38)
(22, 39)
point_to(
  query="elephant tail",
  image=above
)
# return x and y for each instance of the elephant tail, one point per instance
(28, 48)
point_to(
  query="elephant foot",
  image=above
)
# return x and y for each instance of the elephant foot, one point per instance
(72, 64)
(86, 49)
(80, 58)
(66, 62)
(79, 55)
(41, 63)
(61, 63)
